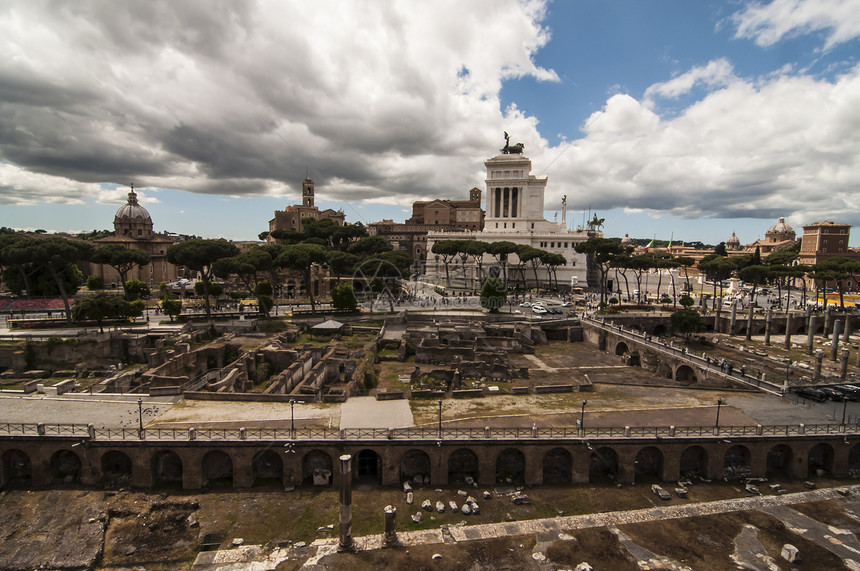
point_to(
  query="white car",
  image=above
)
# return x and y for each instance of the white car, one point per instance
(525, 304)
(537, 309)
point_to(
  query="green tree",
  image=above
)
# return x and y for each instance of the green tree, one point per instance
(247, 266)
(343, 297)
(686, 322)
(500, 251)
(369, 246)
(302, 258)
(493, 294)
(837, 269)
(552, 260)
(57, 256)
(95, 283)
(342, 264)
(447, 249)
(532, 256)
(600, 252)
(122, 259)
(135, 289)
(101, 306)
(476, 250)
(171, 307)
(199, 255)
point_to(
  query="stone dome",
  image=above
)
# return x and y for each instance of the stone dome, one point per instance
(132, 220)
(733, 243)
(780, 231)
(626, 240)
(132, 210)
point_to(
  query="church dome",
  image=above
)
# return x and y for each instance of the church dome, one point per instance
(132, 210)
(626, 240)
(733, 243)
(780, 231)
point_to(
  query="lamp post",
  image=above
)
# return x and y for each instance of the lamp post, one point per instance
(140, 414)
(844, 409)
(440, 418)
(292, 419)
(582, 417)
(719, 404)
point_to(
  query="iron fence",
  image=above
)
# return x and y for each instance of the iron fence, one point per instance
(430, 434)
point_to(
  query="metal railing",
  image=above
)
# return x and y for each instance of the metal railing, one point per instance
(421, 433)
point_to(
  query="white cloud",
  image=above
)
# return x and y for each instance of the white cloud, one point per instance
(20, 187)
(782, 145)
(240, 98)
(770, 23)
(715, 74)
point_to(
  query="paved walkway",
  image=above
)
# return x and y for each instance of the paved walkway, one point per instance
(367, 412)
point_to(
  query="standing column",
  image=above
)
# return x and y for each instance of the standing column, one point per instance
(843, 364)
(847, 331)
(834, 345)
(750, 322)
(346, 543)
(787, 344)
(828, 316)
(390, 535)
(810, 334)
(734, 318)
(819, 356)
(767, 325)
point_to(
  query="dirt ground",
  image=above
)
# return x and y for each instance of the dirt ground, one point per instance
(164, 530)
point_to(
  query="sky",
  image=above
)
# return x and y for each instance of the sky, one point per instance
(674, 119)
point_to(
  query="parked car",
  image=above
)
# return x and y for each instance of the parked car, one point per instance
(567, 304)
(539, 310)
(848, 392)
(833, 394)
(525, 304)
(554, 311)
(811, 394)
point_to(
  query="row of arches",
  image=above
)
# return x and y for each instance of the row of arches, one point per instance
(451, 466)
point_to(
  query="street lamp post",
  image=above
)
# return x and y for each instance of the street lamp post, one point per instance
(844, 409)
(717, 424)
(140, 414)
(440, 418)
(292, 419)
(582, 417)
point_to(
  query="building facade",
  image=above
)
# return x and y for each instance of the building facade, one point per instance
(133, 228)
(822, 240)
(431, 216)
(290, 218)
(515, 213)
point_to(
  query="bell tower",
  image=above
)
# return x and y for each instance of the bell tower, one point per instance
(307, 192)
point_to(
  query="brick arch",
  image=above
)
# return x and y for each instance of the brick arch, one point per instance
(511, 466)
(737, 462)
(779, 460)
(216, 468)
(694, 462)
(621, 348)
(17, 467)
(649, 463)
(66, 467)
(317, 466)
(557, 467)
(463, 463)
(854, 460)
(267, 468)
(820, 457)
(684, 373)
(367, 465)
(116, 468)
(602, 463)
(167, 469)
(414, 463)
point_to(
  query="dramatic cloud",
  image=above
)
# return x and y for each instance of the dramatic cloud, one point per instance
(383, 99)
(388, 102)
(783, 146)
